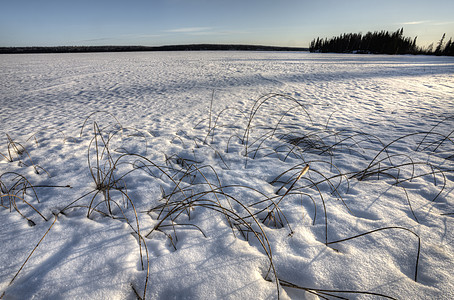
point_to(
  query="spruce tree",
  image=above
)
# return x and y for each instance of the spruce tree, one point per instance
(440, 45)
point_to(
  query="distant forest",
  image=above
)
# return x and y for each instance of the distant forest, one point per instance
(194, 47)
(379, 42)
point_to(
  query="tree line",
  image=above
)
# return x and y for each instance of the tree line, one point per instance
(379, 42)
(191, 47)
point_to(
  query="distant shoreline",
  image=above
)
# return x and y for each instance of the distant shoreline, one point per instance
(190, 47)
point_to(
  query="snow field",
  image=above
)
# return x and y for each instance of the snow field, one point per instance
(182, 171)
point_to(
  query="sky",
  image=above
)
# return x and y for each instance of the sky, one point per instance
(260, 22)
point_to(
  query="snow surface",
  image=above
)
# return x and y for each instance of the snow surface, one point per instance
(219, 137)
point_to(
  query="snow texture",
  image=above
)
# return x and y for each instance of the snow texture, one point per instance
(180, 176)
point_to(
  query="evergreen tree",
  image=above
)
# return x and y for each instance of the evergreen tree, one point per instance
(449, 48)
(440, 45)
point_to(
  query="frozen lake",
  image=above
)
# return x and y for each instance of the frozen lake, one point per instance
(183, 175)
(152, 84)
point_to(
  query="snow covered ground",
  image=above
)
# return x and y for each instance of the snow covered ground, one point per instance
(184, 175)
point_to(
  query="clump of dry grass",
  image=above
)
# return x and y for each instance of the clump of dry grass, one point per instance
(13, 188)
(16, 150)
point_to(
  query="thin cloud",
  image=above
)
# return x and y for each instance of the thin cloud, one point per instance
(189, 29)
(428, 22)
(415, 22)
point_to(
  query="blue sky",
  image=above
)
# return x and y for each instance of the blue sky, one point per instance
(266, 22)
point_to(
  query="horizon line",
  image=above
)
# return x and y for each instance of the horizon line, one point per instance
(126, 48)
